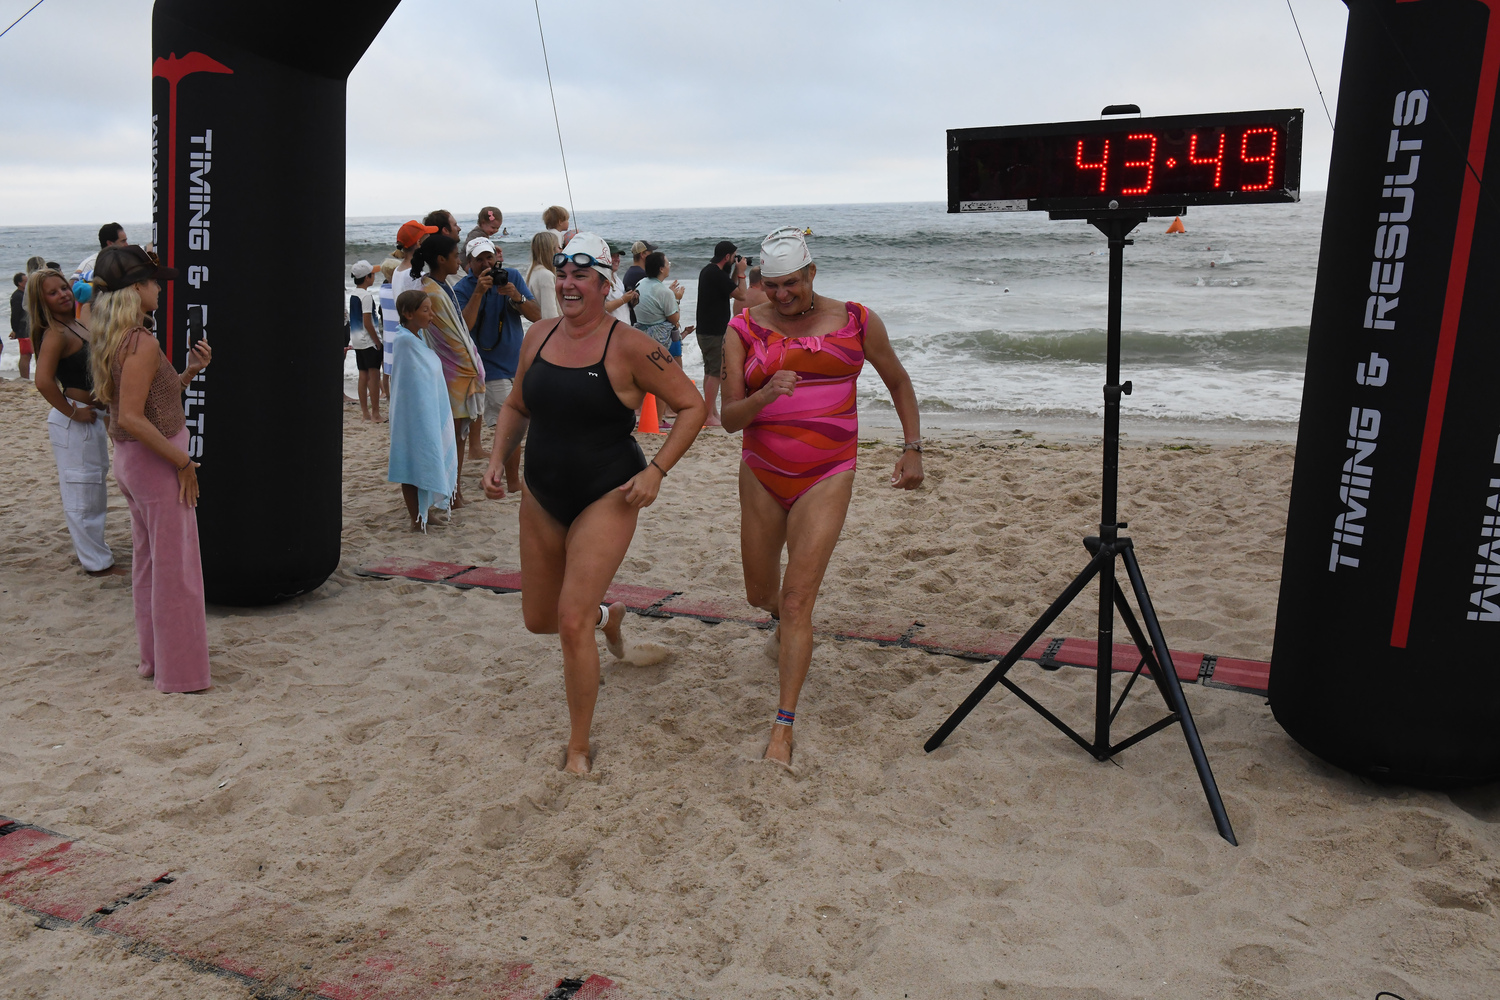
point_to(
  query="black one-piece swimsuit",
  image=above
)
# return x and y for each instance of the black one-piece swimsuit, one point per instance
(579, 445)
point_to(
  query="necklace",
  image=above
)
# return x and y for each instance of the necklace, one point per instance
(810, 308)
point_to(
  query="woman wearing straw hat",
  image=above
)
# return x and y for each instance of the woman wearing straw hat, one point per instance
(580, 379)
(789, 383)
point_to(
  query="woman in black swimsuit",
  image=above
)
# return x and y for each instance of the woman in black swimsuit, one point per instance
(76, 422)
(580, 380)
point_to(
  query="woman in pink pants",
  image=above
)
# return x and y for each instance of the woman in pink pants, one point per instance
(152, 465)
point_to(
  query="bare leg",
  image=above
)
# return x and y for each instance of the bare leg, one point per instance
(25, 365)
(564, 574)
(811, 531)
(373, 377)
(409, 494)
(363, 388)
(458, 491)
(476, 438)
(711, 396)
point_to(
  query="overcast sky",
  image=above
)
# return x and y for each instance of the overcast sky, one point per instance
(669, 104)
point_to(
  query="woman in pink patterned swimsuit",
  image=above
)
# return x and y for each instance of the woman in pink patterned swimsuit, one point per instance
(790, 367)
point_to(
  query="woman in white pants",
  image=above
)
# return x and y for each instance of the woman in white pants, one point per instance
(76, 423)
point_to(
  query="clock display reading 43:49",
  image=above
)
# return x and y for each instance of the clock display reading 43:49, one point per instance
(1223, 159)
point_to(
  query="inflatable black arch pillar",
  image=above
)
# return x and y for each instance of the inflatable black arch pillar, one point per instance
(1387, 652)
(247, 149)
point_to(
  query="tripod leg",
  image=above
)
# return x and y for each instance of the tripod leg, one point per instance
(1143, 644)
(1175, 699)
(1006, 662)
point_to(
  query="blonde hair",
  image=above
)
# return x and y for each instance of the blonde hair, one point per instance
(543, 246)
(38, 316)
(553, 215)
(113, 315)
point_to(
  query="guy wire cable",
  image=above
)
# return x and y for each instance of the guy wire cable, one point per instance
(1308, 56)
(21, 18)
(555, 121)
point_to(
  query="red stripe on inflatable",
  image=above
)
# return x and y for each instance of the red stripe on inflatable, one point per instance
(1458, 272)
(173, 70)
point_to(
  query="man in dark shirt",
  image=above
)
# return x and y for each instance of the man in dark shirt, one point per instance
(637, 270)
(721, 281)
(493, 315)
(19, 329)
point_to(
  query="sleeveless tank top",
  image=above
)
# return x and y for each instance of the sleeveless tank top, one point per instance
(579, 445)
(163, 399)
(73, 369)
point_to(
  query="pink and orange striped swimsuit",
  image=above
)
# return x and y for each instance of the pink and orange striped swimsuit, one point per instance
(802, 439)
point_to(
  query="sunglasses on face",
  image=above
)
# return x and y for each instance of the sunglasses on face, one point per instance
(579, 259)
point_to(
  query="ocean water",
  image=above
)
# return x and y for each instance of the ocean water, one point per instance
(999, 318)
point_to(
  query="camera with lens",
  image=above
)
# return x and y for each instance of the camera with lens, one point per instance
(498, 275)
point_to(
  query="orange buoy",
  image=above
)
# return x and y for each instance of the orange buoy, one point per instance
(649, 424)
(1176, 226)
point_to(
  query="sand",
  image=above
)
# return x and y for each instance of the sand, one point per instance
(385, 755)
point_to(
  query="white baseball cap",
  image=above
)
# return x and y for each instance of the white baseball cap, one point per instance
(595, 247)
(360, 269)
(477, 246)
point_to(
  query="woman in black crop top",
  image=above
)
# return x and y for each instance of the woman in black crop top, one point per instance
(581, 377)
(76, 422)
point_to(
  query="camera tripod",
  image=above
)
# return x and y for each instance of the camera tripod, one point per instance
(1106, 548)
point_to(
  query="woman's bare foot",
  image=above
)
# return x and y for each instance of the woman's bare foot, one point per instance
(115, 570)
(579, 762)
(713, 421)
(612, 635)
(780, 747)
(458, 500)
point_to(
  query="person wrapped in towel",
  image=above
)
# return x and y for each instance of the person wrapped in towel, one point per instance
(424, 449)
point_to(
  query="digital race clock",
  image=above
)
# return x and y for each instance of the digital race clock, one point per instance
(1225, 159)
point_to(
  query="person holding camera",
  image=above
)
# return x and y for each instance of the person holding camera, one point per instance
(493, 299)
(720, 283)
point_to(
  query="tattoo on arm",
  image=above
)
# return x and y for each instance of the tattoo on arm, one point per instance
(656, 357)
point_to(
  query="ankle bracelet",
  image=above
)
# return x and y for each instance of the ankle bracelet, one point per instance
(785, 718)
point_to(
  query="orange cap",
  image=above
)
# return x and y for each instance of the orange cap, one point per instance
(411, 234)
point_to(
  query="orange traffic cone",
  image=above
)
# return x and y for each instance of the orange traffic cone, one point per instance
(1176, 226)
(649, 424)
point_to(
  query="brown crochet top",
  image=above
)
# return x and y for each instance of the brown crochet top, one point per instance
(163, 400)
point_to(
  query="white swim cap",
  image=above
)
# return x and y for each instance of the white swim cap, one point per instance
(595, 247)
(783, 252)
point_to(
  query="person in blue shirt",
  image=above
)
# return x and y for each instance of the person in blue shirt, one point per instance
(493, 313)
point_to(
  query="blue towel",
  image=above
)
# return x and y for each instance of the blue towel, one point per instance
(424, 452)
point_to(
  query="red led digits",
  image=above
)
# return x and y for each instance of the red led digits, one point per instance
(1217, 159)
(1269, 159)
(1149, 163)
(1102, 166)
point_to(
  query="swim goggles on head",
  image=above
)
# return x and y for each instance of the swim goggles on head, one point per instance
(580, 259)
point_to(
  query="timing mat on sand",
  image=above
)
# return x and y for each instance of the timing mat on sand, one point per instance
(952, 640)
(270, 944)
